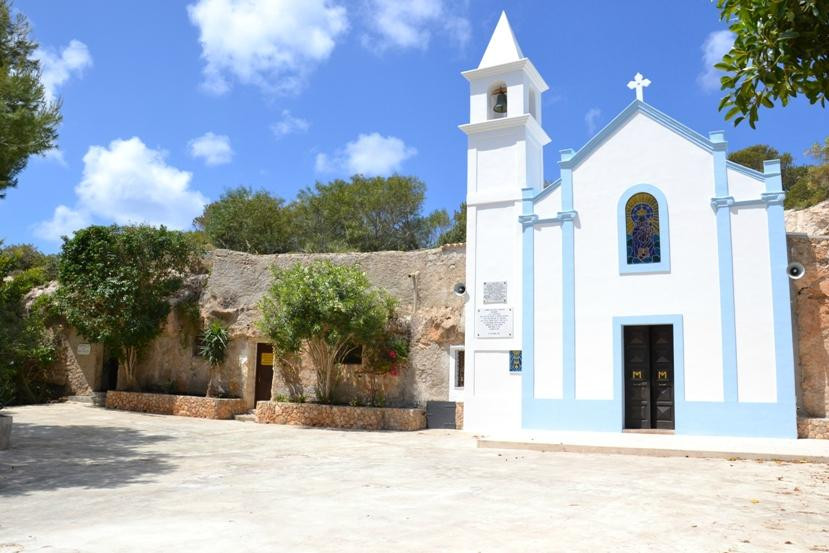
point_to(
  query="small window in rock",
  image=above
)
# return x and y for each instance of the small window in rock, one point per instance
(459, 368)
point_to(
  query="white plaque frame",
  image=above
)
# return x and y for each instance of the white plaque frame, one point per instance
(494, 322)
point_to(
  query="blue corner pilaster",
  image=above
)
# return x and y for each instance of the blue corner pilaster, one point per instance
(568, 276)
(721, 205)
(528, 292)
(783, 340)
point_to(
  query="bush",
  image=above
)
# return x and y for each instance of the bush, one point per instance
(327, 311)
(213, 348)
(27, 348)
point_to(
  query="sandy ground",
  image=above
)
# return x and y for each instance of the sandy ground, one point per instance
(87, 479)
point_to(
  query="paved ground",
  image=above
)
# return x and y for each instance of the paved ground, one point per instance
(87, 479)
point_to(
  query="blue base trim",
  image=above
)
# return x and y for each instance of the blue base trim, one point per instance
(708, 418)
(773, 420)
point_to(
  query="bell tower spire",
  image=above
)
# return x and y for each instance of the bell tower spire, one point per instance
(502, 47)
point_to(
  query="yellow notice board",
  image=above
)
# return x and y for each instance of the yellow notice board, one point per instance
(266, 360)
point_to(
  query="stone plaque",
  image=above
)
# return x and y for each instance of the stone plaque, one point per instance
(495, 292)
(84, 349)
(494, 323)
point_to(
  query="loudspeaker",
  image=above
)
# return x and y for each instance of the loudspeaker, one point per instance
(459, 288)
(795, 270)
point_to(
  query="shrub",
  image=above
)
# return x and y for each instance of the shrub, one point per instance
(326, 310)
(213, 348)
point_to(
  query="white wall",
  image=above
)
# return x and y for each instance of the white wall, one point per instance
(754, 317)
(742, 187)
(492, 398)
(644, 152)
(548, 358)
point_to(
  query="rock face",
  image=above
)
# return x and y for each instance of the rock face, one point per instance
(168, 404)
(813, 221)
(421, 281)
(810, 296)
(340, 416)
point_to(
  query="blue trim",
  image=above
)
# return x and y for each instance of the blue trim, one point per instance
(528, 295)
(664, 265)
(781, 299)
(548, 189)
(747, 171)
(568, 278)
(632, 109)
(725, 259)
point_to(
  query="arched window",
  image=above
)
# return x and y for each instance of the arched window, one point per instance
(643, 231)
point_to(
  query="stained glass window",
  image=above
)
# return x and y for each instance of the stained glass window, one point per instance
(642, 229)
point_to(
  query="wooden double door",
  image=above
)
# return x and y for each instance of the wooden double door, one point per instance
(649, 376)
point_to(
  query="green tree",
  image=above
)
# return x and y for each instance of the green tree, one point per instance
(115, 283)
(754, 156)
(813, 186)
(367, 214)
(28, 122)
(248, 221)
(327, 311)
(781, 49)
(26, 348)
(457, 233)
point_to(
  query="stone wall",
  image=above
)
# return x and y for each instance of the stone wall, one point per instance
(168, 404)
(421, 281)
(810, 296)
(77, 370)
(340, 416)
(813, 428)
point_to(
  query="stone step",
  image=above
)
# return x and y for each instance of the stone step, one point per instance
(246, 417)
(96, 399)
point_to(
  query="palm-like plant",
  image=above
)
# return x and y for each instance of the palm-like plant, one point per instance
(213, 348)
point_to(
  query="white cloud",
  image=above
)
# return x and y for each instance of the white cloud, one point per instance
(127, 183)
(272, 44)
(57, 67)
(410, 24)
(369, 154)
(55, 155)
(591, 119)
(64, 222)
(716, 45)
(213, 148)
(289, 125)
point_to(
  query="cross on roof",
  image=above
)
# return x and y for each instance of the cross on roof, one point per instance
(639, 83)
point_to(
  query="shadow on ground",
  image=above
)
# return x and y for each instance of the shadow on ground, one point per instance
(45, 457)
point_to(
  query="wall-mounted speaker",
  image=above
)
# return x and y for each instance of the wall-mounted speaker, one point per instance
(459, 288)
(795, 270)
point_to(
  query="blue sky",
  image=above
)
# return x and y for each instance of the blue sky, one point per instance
(167, 104)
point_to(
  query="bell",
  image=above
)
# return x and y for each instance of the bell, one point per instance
(500, 103)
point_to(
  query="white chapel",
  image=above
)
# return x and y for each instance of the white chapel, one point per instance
(644, 289)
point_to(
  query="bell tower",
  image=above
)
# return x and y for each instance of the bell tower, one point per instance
(504, 169)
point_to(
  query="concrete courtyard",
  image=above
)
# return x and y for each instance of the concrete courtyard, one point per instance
(84, 479)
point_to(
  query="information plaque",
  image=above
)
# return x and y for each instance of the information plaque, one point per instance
(495, 292)
(494, 322)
